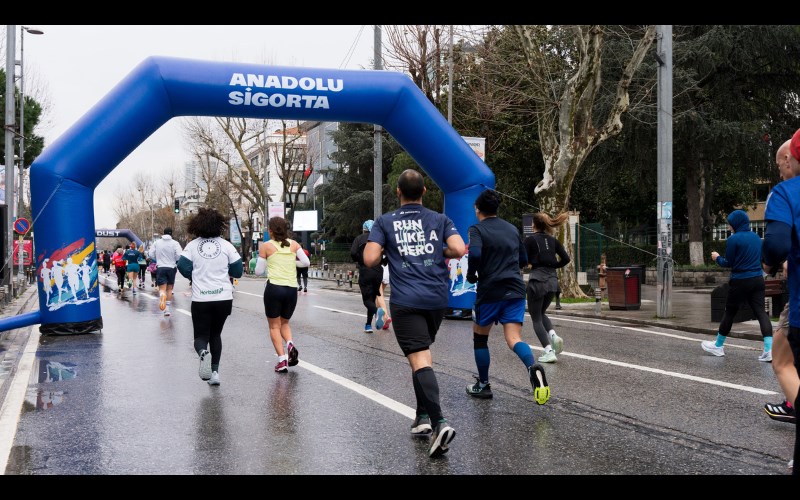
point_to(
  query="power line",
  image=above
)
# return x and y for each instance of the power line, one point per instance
(350, 52)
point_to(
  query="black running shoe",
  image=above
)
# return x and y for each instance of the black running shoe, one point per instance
(442, 435)
(479, 390)
(781, 412)
(293, 355)
(421, 426)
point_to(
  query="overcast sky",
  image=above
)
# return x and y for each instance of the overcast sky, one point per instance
(76, 66)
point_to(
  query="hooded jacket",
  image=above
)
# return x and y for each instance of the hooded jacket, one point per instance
(743, 249)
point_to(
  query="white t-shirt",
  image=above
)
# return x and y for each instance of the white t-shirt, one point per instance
(210, 260)
(166, 251)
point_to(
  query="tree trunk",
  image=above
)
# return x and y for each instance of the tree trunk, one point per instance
(695, 194)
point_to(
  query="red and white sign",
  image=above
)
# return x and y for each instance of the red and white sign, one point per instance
(27, 252)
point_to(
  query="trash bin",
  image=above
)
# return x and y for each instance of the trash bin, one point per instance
(719, 296)
(624, 288)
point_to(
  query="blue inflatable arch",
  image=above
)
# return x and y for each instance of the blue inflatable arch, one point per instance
(64, 176)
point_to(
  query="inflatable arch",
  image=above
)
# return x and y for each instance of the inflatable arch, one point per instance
(64, 176)
(118, 233)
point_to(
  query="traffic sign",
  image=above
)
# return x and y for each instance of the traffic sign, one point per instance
(22, 225)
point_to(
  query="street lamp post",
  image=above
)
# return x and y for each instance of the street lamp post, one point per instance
(32, 31)
(9, 161)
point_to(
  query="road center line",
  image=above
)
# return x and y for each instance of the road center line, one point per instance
(663, 334)
(668, 373)
(629, 365)
(379, 398)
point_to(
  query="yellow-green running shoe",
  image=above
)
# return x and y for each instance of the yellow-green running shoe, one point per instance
(541, 391)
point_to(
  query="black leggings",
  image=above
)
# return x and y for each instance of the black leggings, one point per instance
(751, 291)
(302, 272)
(120, 277)
(208, 318)
(541, 323)
(794, 342)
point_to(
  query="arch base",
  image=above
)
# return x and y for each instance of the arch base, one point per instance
(76, 328)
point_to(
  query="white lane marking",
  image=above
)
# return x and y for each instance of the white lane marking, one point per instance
(629, 365)
(671, 374)
(339, 311)
(379, 398)
(12, 405)
(663, 334)
(248, 293)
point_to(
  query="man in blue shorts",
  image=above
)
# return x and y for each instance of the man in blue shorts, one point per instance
(496, 254)
(781, 243)
(167, 252)
(416, 241)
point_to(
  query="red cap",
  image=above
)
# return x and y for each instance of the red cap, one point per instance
(794, 146)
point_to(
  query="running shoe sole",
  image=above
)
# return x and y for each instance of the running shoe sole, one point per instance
(388, 322)
(205, 366)
(440, 443)
(293, 355)
(162, 301)
(541, 391)
(379, 322)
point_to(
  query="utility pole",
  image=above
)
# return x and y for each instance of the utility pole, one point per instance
(450, 80)
(9, 145)
(377, 195)
(664, 149)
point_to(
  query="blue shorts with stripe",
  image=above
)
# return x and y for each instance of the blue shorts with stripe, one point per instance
(504, 311)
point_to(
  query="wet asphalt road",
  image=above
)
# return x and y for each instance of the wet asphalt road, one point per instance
(626, 399)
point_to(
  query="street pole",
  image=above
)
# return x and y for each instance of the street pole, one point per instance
(450, 80)
(9, 145)
(32, 31)
(377, 195)
(664, 150)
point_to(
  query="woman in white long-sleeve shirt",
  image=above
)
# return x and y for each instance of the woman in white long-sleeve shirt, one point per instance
(208, 261)
(280, 257)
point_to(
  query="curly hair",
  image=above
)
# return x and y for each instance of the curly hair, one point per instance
(207, 223)
(543, 222)
(279, 230)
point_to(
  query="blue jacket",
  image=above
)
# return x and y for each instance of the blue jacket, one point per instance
(743, 249)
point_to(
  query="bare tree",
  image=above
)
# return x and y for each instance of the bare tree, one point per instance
(419, 50)
(565, 96)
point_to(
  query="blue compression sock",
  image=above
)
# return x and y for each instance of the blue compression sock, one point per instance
(523, 350)
(482, 361)
(720, 340)
(768, 343)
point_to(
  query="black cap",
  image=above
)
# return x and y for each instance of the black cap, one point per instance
(168, 230)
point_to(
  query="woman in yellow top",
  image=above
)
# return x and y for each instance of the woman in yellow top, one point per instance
(279, 258)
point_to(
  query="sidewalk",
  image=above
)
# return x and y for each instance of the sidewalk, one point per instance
(690, 307)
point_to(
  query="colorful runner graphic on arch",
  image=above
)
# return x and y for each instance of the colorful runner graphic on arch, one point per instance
(68, 275)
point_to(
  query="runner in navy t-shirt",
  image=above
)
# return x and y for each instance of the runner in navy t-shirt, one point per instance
(416, 241)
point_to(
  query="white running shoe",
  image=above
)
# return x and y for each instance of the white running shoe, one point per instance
(711, 347)
(548, 357)
(766, 356)
(205, 365)
(214, 380)
(558, 342)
